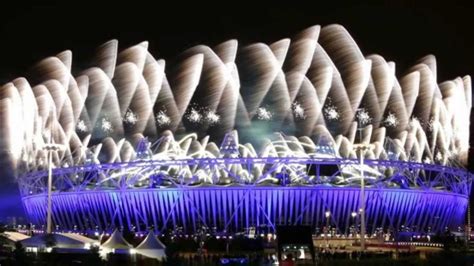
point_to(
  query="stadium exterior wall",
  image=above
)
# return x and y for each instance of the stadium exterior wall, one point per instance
(235, 208)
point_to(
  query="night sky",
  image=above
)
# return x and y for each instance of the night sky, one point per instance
(401, 32)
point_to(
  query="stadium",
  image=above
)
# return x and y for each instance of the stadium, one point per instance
(239, 136)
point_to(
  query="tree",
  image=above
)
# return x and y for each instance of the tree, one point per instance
(94, 258)
(19, 255)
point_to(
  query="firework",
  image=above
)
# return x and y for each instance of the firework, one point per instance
(236, 115)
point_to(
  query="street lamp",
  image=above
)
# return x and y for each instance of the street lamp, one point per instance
(353, 215)
(327, 214)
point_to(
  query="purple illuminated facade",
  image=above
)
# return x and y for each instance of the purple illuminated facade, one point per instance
(238, 136)
(233, 207)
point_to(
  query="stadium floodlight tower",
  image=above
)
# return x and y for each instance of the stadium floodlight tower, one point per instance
(363, 118)
(50, 148)
(362, 148)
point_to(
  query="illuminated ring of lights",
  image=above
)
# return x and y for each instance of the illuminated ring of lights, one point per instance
(163, 209)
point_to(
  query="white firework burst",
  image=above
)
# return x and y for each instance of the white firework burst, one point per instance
(81, 126)
(194, 116)
(130, 118)
(212, 118)
(264, 114)
(331, 113)
(162, 119)
(391, 120)
(106, 125)
(363, 117)
(427, 160)
(298, 110)
(439, 156)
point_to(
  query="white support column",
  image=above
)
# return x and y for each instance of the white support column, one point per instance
(50, 184)
(49, 148)
(362, 200)
(362, 148)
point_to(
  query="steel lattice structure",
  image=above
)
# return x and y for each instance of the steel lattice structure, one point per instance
(415, 195)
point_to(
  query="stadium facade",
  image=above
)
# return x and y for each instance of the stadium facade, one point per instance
(235, 137)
